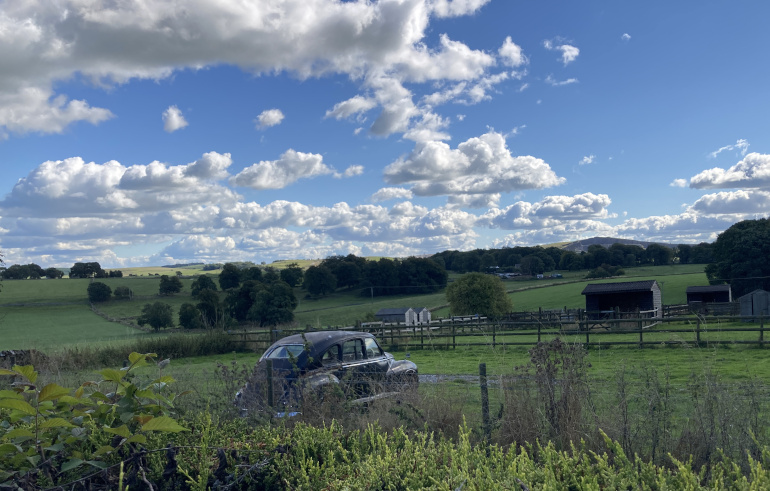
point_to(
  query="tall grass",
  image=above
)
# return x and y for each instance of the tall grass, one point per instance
(179, 345)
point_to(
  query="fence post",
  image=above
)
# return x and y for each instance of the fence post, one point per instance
(484, 399)
(639, 323)
(538, 333)
(697, 332)
(494, 334)
(454, 341)
(588, 343)
(422, 331)
(761, 331)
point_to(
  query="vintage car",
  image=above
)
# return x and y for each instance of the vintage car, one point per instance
(349, 360)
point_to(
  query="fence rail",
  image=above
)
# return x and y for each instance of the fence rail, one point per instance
(693, 330)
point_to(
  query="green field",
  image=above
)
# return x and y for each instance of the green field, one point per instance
(29, 309)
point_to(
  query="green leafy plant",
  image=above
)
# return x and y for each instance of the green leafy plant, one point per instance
(48, 432)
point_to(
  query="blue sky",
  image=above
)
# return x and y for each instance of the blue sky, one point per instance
(212, 131)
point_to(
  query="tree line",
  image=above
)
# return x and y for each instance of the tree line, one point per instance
(412, 275)
(34, 271)
(539, 260)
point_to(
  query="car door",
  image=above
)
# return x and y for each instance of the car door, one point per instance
(377, 362)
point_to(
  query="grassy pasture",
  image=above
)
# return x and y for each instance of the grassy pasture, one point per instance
(342, 308)
(49, 327)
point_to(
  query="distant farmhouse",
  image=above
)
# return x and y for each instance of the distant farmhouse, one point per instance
(405, 315)
(628, 296)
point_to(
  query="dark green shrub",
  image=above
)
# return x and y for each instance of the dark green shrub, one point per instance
(99, 292)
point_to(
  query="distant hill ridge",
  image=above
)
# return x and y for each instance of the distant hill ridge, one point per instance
(584, 244)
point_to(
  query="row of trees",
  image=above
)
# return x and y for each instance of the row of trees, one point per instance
(382, 277)
(538, 260)
(29, 271)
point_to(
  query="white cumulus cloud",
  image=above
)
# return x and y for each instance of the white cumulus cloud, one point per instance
(479, 165)
(511, 53)
(268, 118)
(277, 174)
(173, 119)
(569, 53)
(751, 172)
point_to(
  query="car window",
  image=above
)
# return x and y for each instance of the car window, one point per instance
(331, 356)
(353, 350)
(286, 351)
(373, 350)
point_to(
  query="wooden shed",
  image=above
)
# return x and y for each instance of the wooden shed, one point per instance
(755, 303)
(709, 294)
(405, 315)
(627, 296)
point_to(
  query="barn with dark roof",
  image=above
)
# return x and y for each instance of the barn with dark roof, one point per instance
(627, 296)
(709, 294)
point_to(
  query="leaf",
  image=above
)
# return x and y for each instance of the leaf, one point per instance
(103, 450)
(97, 463)
(18, 405)
(163, 423)
(137, 439)
(120, 430)
(28, 371)
(146, 394)
(100, 396)
(56, 423)
(10, 394)
(111, 375)
(75, 400)
(166, 379)
(139, 360)
(51, 392)
(3, 371)
(9, 448)
(19, 433)
(71, 464)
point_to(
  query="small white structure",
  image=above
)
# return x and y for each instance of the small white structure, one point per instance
(423, 316)
(404, 315)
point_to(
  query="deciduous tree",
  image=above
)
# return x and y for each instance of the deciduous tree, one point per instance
(169, 285)
(319, 280)
(99, 292)
(477, 293)
(292, 274)
(157, 315)
(202, 282)
(190, 317)
(742, 257)
(230, 277)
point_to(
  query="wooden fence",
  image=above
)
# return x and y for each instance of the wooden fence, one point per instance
(638, 332)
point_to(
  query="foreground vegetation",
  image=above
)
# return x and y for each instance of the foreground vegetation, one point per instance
(560, 418)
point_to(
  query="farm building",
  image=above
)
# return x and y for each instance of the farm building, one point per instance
(755, 303)
(709, 294)
(423, 315)
(406, 315)
(629, 296)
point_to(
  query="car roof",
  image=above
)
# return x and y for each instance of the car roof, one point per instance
(320, 340)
